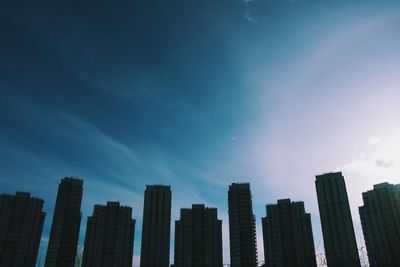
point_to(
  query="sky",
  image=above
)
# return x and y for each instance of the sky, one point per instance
(197, 95)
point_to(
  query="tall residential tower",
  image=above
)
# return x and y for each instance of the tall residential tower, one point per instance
(198, 238)
(64, 234)
(109, 237)
(242, 228)
(337, 225)
(21, 224)
(156, 226)
(288, 238)
(380, 219)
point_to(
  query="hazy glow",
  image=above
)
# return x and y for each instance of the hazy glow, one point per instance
(198, 95)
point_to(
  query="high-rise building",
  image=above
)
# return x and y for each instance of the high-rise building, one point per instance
(337, 225)
(21, 224)
(288, 238)
(380, 219)
(64, 234)
(109, 237)
(242, 228)
(156, 226)
(198, 238)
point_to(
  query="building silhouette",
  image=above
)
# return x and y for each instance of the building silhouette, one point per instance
(242, 228)
(156, 226)
(288, 238)
(109, 237)
(64, 234)
(198, 238)
(380, 219)
(337, 225)
(21, 224)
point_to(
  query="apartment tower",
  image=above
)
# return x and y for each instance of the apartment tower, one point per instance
(109, 237)
(21, 224)
(156, 226)
(288, 238)
(337, 225)
(242, 228)
(380, 219)
(198, 238)
(64, 234)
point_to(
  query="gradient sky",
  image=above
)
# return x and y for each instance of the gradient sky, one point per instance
(196, 95)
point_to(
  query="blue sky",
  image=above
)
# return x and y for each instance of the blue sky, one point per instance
(196, 95)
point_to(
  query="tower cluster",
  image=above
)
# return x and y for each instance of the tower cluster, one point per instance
(287, 231)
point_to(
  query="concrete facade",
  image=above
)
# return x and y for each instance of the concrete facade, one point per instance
(109, 237)
(380, 219)
(156, 226)
(287, 233)
(198, 238)
(21, 224)
(242, 228)
(64, 234)
(337, 225)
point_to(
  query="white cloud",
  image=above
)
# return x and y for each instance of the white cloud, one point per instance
(249, 16)
(375, 141)
(378, 160)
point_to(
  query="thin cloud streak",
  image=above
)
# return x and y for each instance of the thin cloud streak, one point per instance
(154, 169)
(197, 99)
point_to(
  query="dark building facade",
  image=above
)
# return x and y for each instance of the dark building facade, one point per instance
(242, 228)
(337, 225)
(198, 238)
(21, 224)
(288, 238)
(64, 234)
(156, 226)
(109, 237)
(380, 219)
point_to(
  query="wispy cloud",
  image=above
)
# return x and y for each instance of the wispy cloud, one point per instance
(128, 173)
(378, 160)
(248, 14)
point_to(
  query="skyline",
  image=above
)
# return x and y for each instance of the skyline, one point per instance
(238, 194)
(196, 96)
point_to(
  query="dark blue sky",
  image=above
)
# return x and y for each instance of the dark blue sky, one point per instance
(198, 94)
